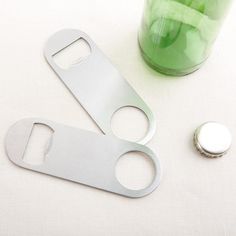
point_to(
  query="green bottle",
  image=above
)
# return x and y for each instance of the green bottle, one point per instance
(176, 35)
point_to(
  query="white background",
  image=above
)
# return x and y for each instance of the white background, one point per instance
(196, 195)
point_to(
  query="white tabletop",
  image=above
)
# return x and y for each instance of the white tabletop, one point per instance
(196, 195)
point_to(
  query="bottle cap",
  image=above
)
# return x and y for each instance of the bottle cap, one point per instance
(212, 139)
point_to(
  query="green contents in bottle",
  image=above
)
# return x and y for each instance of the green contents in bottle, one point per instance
(176, 35)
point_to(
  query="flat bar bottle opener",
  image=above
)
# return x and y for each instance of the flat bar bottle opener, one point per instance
(80, 156)
(96, 83)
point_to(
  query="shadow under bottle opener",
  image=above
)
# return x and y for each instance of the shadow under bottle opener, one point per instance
(80, 156)
(96, 83)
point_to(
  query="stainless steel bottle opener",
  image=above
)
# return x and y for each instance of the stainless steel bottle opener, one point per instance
(96, 83)
(80, 156)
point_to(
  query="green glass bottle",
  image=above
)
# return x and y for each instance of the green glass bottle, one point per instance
(176, 35)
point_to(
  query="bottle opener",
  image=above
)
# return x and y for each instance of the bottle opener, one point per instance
(79, 156)
(96, 83)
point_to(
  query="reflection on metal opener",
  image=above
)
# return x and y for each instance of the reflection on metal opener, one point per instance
(80, 156)
(96, 83)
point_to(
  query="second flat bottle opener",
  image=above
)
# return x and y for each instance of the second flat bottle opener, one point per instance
(78, 155)
(96, 83)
